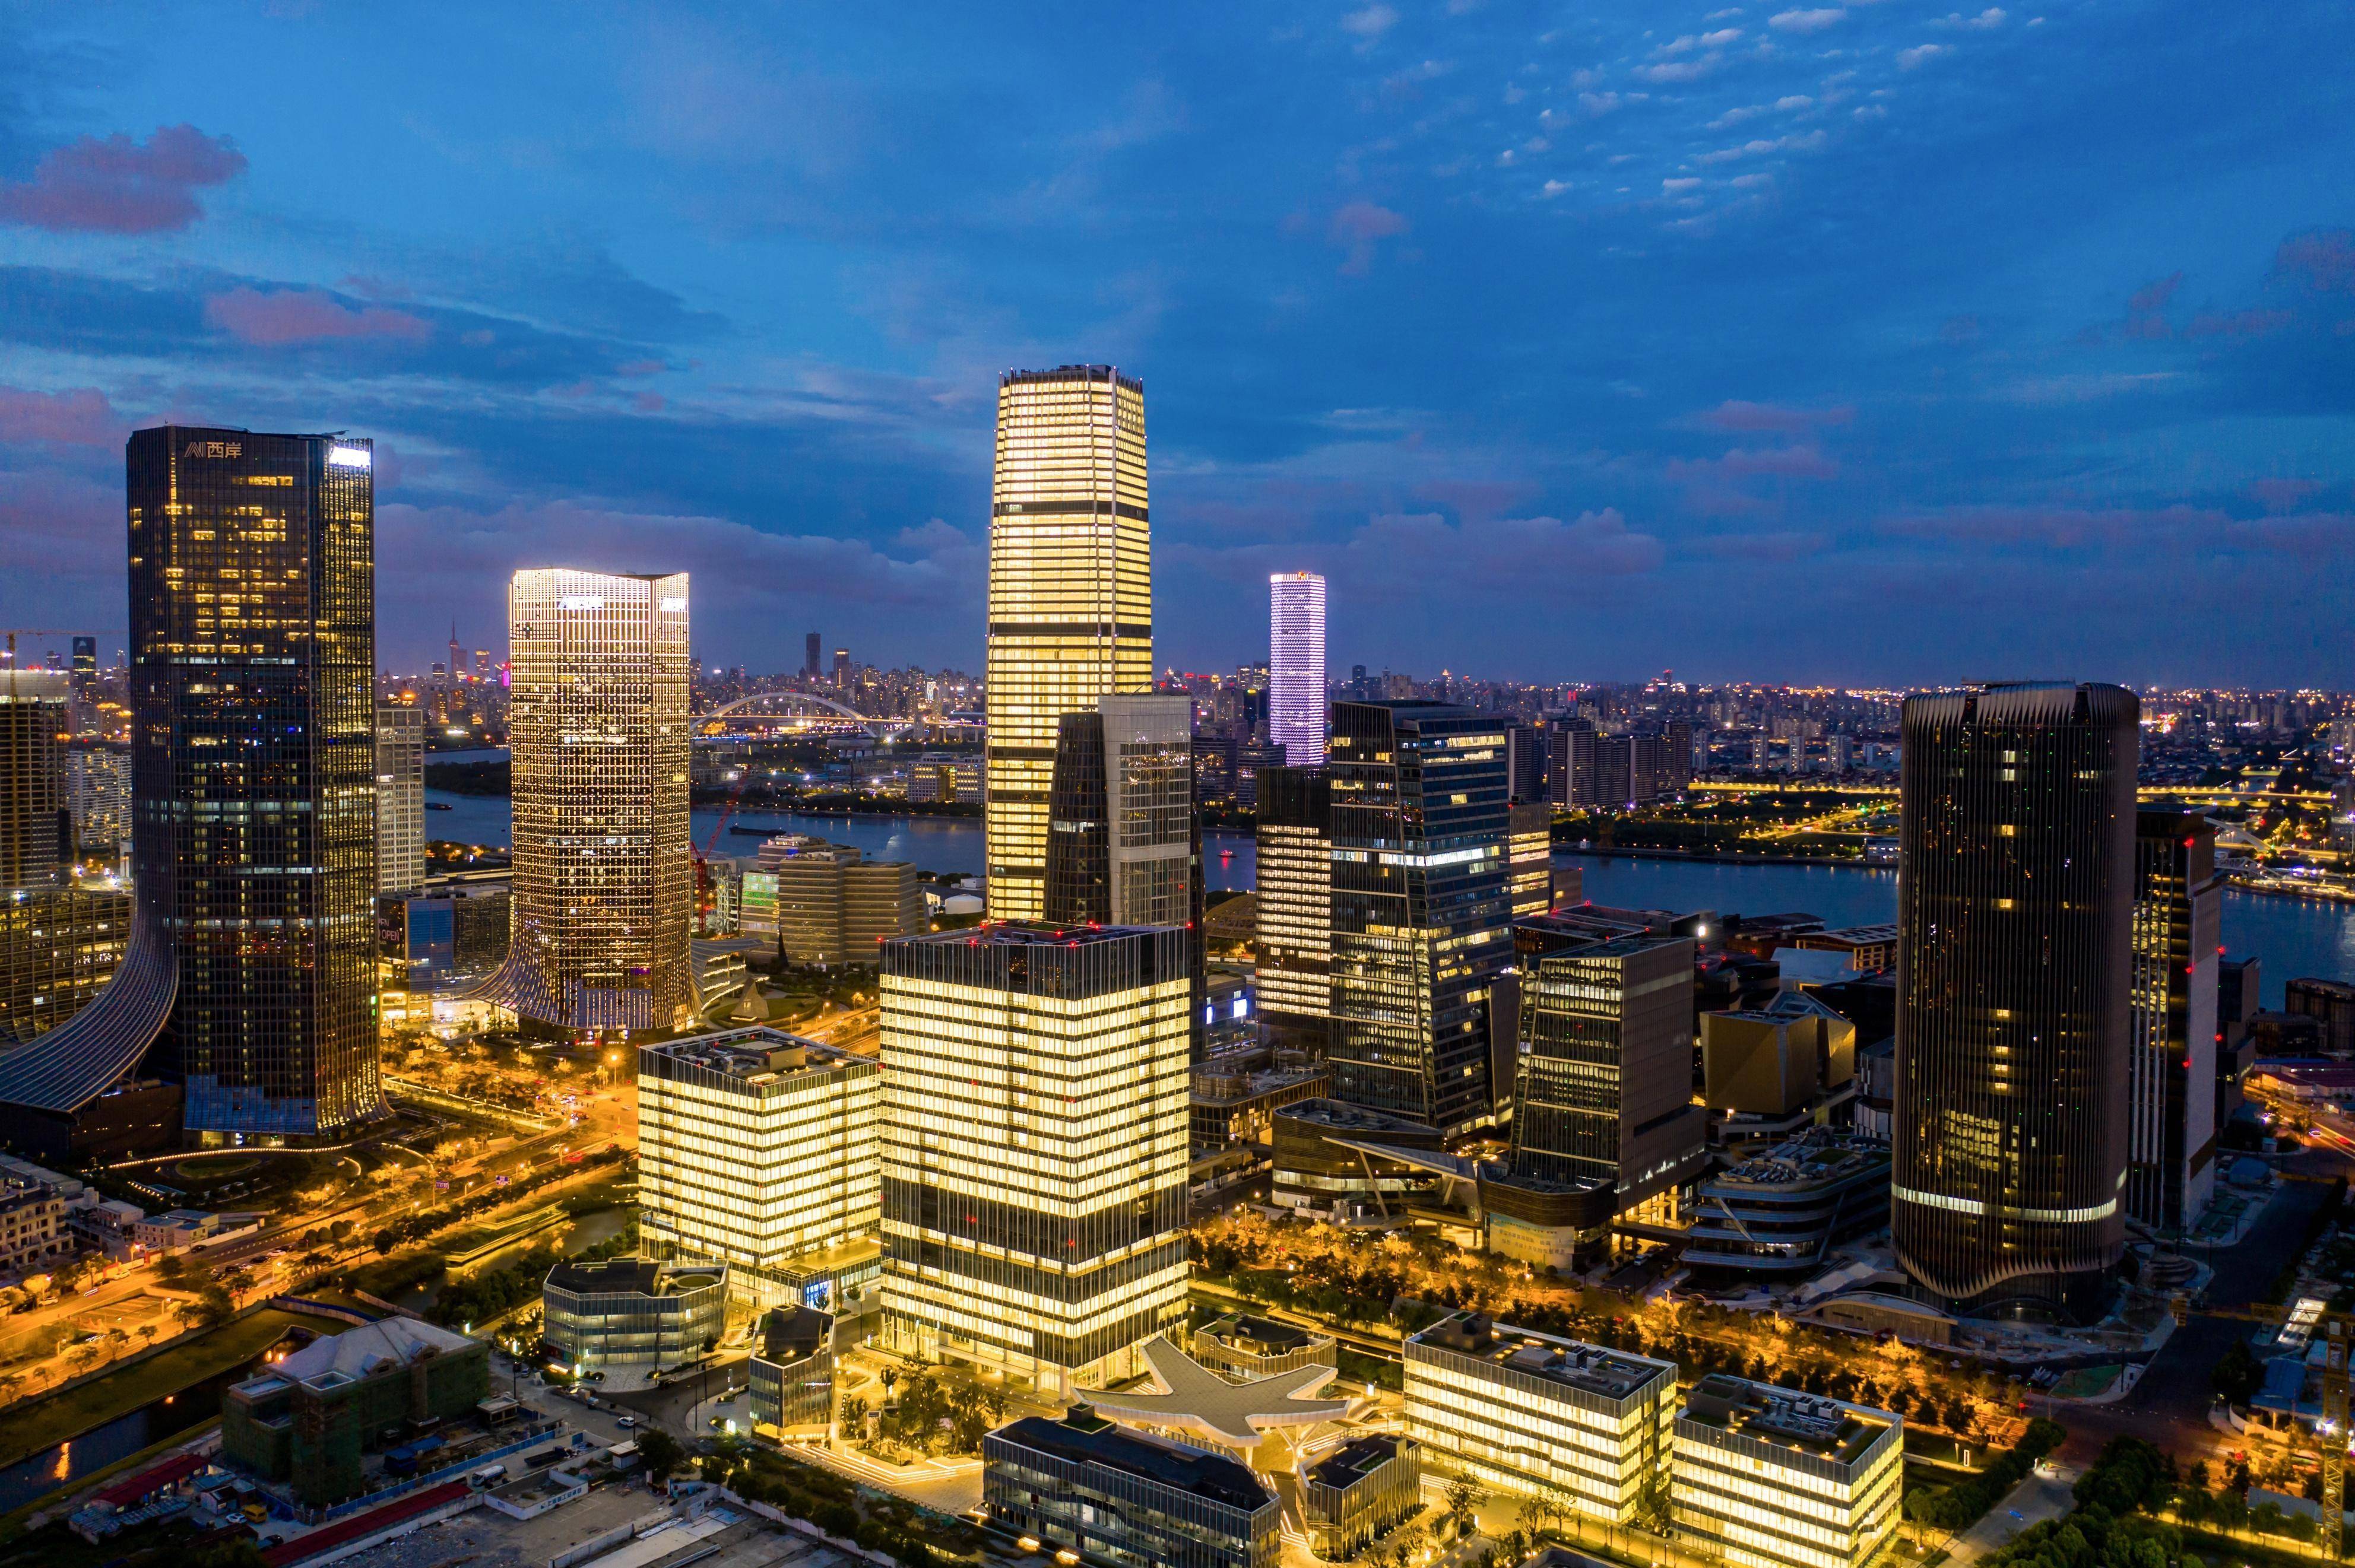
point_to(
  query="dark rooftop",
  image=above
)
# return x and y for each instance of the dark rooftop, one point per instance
(619, 1276)
(1353, 1461)
(1086, 1439)
(794, 1333)
(1611, 1374)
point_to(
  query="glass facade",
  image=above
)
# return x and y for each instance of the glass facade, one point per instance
(2015, 902)
(1770, 1477)
(2171, 1102)
(605, 875)
(1070, 595)
(35, 828)
(1295, 901)
(1034, 1145)
(399, 799)
(1119, 1497)
(629, 1312)
(790, 1386)
(1421, 927)
(1295, 667)
(58, 947)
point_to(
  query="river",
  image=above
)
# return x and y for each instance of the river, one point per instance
(2294, 936)
(38, 1475)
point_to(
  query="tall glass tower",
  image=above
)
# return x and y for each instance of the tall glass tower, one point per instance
(1070, 595)
(2015, 903)
(251, 964)
(1295, 667)
(604, 878)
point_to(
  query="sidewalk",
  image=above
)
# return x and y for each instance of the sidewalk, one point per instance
(2032, 1502)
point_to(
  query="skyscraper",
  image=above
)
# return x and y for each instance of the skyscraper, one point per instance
(604, 878)
(36, 841)
(2171, 1071)
(812, 656)
(1295, 667)
(399, 799)
(98, 791)
(1122, 848)
(1034, 1147)
(85, 655)
(1421, 923)
(2014, 905)
(842, 670)
(251, 957)
(1071, 595)
(1295, 905)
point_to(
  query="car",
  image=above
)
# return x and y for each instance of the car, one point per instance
(627, 1423)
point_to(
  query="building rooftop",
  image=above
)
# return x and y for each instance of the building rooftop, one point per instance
(1336, 1116)
(757, 1055)
(1612, 1374)
(1245, 1328)
(634, 1277)
(1785, 1418)
(1818, 1155)
(1082, 1438)
(794, 1333)
(1199, 1401)
(360, 1353)
(1353, 1461)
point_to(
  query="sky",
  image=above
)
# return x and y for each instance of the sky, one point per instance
(1876, 343)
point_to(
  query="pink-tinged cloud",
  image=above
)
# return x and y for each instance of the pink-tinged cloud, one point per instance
(2281, 494)
(1411, 554)
(641, 367)
(81, 416)
(1779, 462)
(1357, 227)
(2237, 323)
(2325, 257)
(1785, 545)
(286, 316)
(2147, 307)
(112, 185)
(1770, 418)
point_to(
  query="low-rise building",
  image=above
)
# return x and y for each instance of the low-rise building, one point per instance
(1242, 1346)
(311, 1418)
(1359, 1490)
(1770, 1478)
(33, 1228)
(1111, 1494)
(792, 1375)
(1778, 1213)
(1231, 1104)
(1536, 1415)
(631, 1312)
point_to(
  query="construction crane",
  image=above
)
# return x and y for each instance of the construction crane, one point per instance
(14, 632)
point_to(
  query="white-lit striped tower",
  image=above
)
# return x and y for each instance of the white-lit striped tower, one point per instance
(1071, 595)
(1295, 667)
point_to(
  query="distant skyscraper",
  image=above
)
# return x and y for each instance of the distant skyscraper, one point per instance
(1528, 855)
(1295, 667)
(813, 657)
(2015, 905)
(36, 827)
(842, 669)
(98, 789)
(604, 878)
(85, 655)
(483, 663)
(252, 955)
(1035, 1104)
(2172, 1075)
(399, 799)
(1421, 920)
(1296, 903)
(457, 655)
(1525, 763)
(1071, 595)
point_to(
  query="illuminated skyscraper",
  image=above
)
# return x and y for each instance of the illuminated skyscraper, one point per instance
(1071, 595)
(2015, 901)
(36, 829)
(399, 799)
(1035, 1104)
(2170, 1079)
(1296, 903)
(252, 960)
(604, 878)
(1295, 667)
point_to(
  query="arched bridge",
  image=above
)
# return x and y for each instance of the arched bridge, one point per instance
(803, 705)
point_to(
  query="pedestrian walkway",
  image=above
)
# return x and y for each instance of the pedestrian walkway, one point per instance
(2035, 1500)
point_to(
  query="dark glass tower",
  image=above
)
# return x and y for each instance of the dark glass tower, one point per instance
(1421, 925)
(2170, 1083)
(1079, 856)
(251, 973)
(2015, 905)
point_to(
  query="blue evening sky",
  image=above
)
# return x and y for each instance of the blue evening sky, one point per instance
(1867, 342)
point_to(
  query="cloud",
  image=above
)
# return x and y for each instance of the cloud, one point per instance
(2147, 307)
(1681, 71)
(283, 316)
(1779, 462)
(1812, 20)
(2281, 494)
(112, 185)
(1784, 544)
(1772, 418)
(2323, 260)
(1411, 553)
(1371, 21)
(1357, 227)
(1920, 54)
(81, 416)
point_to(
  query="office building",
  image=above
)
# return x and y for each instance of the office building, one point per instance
(2332, 1002)
(1070, 595)
(1231, 1103)
(1034, 1147)
(832, 905)
(790, 1382)
(1777, 1214)
(1605, 1076)
(1774, 1061)
(1295, 908)
(85, 655)
(1243, 1348)
(2171, 1053)
(604, 876)
(1123, 846)
(1359, 1490)
(1538, 1415)
(763, 1150)
(36, 843)
(310, 1418)
(842, 670)
(60, 944)
(252, 947)
(2015, 906)
(1419, 914)
(1295, 667)
(2238, 986)
(1342, 1163)
(399, 799)
(631, 1312)
(98, 791)
(1104, 1493)
(1870, 949)
(1525, 763)
(812, 665)
(1770, 1477)
(1569, 771)
(1529, 857)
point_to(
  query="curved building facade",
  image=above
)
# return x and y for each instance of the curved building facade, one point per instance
(2015, 901)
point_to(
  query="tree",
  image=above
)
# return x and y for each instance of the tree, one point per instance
(2238, 1374)
(171, 1268)
(386, 1240)
(660, 1452)
(1462, 1499)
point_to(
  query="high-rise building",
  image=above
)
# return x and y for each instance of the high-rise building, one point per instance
(2332, 1002)
(1035, 1146)
(1295, 667)
(2171, 1072)
(98, 791)
(36, 825)
(1421, 921)
(812, 665)
(2015, 900)
(1525, 762)
(85, 655)
(764, 1150)
(1123, 846)
(399, 799)
(832, 905)
(1529, 857)
(59, 945)
(1295, 905)
(1070, 595)
(842, 670)
(605, 879)
(1571, 776)
(252, 952)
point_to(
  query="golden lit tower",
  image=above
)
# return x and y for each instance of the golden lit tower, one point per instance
(604, 882)
(1071, 594)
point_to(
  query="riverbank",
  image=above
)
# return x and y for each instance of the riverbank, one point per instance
(1704, 857)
